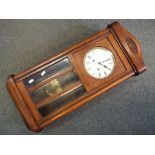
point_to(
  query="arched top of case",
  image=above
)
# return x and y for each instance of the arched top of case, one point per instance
(130, 47)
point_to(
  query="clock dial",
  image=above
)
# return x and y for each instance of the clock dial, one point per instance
(99, 62)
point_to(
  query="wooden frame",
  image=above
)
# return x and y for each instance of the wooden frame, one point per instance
(129, 62)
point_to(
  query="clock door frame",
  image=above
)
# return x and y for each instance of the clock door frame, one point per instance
(122, 66)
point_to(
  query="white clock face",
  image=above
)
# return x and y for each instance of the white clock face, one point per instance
(99, 62)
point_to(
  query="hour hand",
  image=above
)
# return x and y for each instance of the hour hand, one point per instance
(105, 66)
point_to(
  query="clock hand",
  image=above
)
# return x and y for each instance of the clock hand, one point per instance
(105, 60)
(105, 66)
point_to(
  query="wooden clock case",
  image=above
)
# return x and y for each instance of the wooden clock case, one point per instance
(129, 62)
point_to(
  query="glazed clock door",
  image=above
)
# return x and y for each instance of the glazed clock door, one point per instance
(52, 88)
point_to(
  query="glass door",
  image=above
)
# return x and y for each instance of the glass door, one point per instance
(52, 88)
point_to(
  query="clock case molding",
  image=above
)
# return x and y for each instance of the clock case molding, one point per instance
(129, 62)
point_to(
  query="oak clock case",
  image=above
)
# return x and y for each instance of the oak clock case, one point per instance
(59, 85)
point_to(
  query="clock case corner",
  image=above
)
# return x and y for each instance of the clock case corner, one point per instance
(129, 45)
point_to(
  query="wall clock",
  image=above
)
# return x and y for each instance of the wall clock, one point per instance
(59, 85)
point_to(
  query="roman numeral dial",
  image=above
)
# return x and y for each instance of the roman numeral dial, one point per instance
(99, 62)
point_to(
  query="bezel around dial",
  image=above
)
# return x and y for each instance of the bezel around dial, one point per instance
(106, 74)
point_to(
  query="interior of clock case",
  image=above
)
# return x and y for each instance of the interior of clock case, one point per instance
(53, 87)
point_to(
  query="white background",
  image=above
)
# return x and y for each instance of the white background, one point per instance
(81, 9)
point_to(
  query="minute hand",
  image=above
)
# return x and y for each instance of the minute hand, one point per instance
(105, 60)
